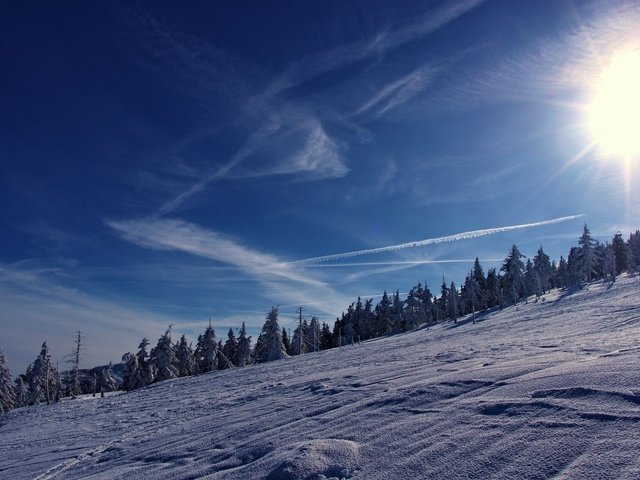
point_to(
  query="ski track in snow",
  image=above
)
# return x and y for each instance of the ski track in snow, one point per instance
(541, 390)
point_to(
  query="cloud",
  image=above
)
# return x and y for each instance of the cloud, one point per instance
(279, 278)
(398, 92)
(378, 45)
(434, 241)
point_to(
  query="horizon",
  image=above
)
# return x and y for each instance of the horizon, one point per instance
(167, 165)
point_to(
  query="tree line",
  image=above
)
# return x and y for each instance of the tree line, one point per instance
(518, 279)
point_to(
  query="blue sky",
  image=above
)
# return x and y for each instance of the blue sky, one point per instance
(170, 163)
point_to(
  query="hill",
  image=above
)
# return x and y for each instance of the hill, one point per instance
(535, 391)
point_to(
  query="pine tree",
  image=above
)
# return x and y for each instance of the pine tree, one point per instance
(186, 358)
(107, 382)
(384, 316)
(207, 351)
(163, 358)
(300, 339)
(452, 304)
(533, 285)
(314, 334)
(326, 341)
(587, 257)
(41, 378)
(492, 290)
(562, 274)
(414, 314)
(513, 269)
(7, 394)
(244, 347)
(609, 262)
(397, 312)
(21, 390)
(481, 282)
(269, 346)
(620, 252)
(285, 341)
(230, 349)
(147, 375)
(473, 292)
(633, 246)
(542, 267)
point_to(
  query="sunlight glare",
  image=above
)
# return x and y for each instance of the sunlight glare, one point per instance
(614, 113)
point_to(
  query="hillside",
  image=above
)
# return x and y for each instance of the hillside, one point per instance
(535, 391)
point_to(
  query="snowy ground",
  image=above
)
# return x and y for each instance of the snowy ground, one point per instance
(548, 389)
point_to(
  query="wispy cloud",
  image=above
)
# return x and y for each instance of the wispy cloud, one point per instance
(376, 46)
(280, 279)
(434, 241)
(399, 262)
(398, 92)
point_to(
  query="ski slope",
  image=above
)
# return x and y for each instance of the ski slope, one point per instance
(546, 389)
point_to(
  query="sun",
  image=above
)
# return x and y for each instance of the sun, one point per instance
(614, 113)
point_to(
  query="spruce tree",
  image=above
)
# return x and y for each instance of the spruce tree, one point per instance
(285, 341)
(269, 346)
(74, 386)
(587, 256)
(207, 351)
(513, 269)
(542, 267)
(384, 316)
(7, 394)
(244, 347)
(163, 358)
(452, 305)
(620, 253)
(41, 378)
(230, 349)
(107, 382)
(326, 341)
(634, 252)
(21, 390)
(186, 358)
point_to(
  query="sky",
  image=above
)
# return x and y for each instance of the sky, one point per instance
(170, 163)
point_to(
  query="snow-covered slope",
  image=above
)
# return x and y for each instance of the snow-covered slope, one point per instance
(536, 391)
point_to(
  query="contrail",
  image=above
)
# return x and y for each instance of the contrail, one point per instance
(434, 241)
(377, 264)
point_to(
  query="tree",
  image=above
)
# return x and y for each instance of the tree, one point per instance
(163, 358)
(587, 257)
(41, 378)
(542, 268)
(107, 382)
(269, 346)
(207, 351)
(244, 347)
(74, 386)
(532, 280)
(186, 358)
(384, 316)
(562, 274)
(452, 305)
(492, 290)
(326, 337)
(7, 394)
(397, 311)
(473, 293)
(300, 342)
(513, 269)
(314, 334)
(21, 392)
(620, 252)
(230, 349)
(285, 341)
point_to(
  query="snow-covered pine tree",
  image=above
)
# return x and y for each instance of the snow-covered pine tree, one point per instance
(285, 341)
(473, 293)
(587, 256)
(609, 262)
(107, 382)
(186, 358)
(384, 316)
(397, 312)
(244, 347)
(414, 314)
(147, 375)
(561, 280)
(207, 351)
(326, 341)
(542, 267)
(163, 358)
(620, 252)
(313, 334)
(300, 342)
(533, 284)
(132, 375)
(269, 346)
(452, 305)
(41, 378)
(21, 390)
(513, 269)
(492, 290)
(230, 348)
(7, 394)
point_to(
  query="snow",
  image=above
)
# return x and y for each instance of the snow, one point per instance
(545, 389)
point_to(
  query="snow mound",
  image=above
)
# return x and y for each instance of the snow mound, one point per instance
(316, 460)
